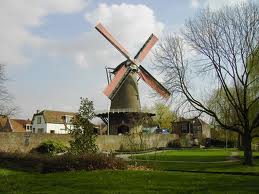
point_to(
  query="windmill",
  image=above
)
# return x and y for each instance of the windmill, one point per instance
(122, 89)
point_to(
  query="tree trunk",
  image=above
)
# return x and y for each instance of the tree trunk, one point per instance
(239, 142)
(247, 141)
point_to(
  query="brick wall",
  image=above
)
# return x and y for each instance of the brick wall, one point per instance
(24, 142)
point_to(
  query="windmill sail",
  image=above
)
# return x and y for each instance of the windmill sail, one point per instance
(112, 40)
(151, 41)
(153, 83)
(116, 82)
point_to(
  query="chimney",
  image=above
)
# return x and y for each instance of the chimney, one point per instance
(37, 111)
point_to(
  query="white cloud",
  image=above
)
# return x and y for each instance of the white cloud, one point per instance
(80, 59)
(195, 4)
(16, 17)
(130, 24)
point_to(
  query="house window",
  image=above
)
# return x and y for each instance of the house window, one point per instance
(33, 130)
(28, 127)
(52, 131)
(68, 119)
(38, 120)
(184, 128)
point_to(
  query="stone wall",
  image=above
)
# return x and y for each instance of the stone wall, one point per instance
(24, 142)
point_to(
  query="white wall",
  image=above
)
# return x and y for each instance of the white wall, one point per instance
(47, 127)
(58, 128)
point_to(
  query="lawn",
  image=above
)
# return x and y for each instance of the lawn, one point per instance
(191, 155)
(198, 160)
(125, 182)
(191, 176)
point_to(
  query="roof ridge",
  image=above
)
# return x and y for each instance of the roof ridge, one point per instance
(45, 110)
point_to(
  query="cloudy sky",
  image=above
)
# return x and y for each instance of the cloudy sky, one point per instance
(54, 56)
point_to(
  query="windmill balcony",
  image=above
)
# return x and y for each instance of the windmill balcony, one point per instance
(121, 110)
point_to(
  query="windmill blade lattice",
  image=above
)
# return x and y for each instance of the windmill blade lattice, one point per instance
(153, 83)
(131, 66)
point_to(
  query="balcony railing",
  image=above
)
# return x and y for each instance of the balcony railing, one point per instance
(122, 110)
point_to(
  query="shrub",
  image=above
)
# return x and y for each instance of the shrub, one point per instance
(65, 162)
(70, 162)
(50, 147)
(174, 143)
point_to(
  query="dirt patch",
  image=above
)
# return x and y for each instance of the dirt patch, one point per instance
(132, 167)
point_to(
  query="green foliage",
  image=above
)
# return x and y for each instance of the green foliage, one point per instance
(50, 147)
(220, 135)
(83, 130)
(220, 104)
(164, 116)
(253, 67)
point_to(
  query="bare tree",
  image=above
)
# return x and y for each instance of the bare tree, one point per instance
(5, 99)
(222, 45)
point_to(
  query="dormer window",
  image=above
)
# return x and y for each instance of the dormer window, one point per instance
(67, 118)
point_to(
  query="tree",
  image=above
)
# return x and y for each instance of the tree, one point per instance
(217, 44)
(219, 103)
(83, 130)
(164, 116)
(5, 98)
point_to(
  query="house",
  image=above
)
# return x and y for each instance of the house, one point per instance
(14, 125)
(195, 126)
(50, 121)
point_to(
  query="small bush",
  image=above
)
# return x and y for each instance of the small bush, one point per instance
(174, 143)
(69, 162)
(50, 147)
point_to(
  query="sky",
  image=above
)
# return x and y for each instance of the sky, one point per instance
(53, 55)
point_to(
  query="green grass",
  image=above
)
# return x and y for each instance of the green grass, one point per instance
(223, 167)
(192, 155)
(167, 177)
(125, 182)
(198, 160)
